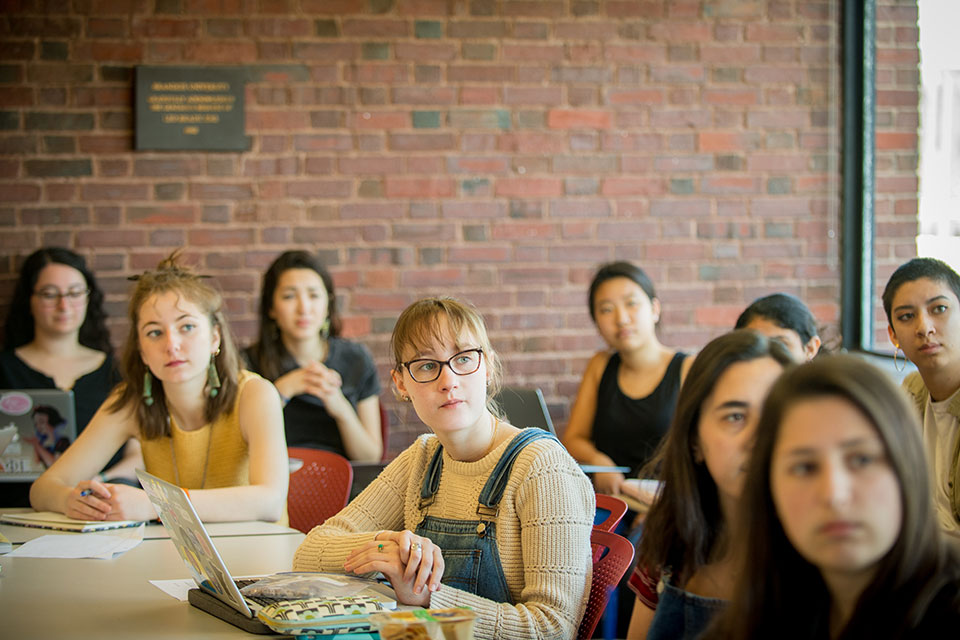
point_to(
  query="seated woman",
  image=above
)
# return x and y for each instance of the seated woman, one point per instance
(329, 384)
(628, 393)
(785, 318)
(479, 513)
(840, 533)
(685, 564)
(56, 337)
(922, 303)
(203, 422)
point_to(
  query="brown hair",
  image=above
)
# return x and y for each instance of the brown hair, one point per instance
(685, 523)
(779, 593)
(171, 276)
(419, 325)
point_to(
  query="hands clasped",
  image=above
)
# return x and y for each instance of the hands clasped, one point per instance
(317, 380)
(412, 563)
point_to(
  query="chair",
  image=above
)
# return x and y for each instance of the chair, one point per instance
(615, 555)
(610, 510)
(319, 488)
(525, 408)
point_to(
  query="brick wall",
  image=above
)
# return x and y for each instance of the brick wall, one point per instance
(496, 150)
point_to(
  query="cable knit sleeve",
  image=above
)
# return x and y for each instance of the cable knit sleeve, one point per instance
(543, 530)
(380, 506)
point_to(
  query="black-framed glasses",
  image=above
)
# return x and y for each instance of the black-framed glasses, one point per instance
(51, 295)
(462, 364)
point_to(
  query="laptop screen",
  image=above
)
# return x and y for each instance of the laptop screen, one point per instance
(36, 426)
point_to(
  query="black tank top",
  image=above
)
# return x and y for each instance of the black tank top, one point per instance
(627, 429)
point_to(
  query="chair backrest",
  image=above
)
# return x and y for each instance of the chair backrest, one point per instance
(384, 430)
(319, 488)
(615, 556)
(525, 408)
(610, 510)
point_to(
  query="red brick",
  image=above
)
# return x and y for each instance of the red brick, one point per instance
(732, 96)
(525, 52)
(886, 140)
(419, 187)
(322, 142)
(353, 211)
(315, 188)
(636, 53)
(223, 52)
(680, 32)
(113, 191)
(633, 186)
(111, 238)
(578, 119)
(418, 52)
(381, 120)
(421, 141)
(182, 215)
(715, 184)
(529, 187)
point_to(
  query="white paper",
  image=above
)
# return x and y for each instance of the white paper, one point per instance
(88, 545)
(176, 588)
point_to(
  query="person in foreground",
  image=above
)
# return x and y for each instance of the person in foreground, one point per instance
(922, 303)
(685, 561)
(785, 318)
(329, 385)
(203, 423)
(840, 536)
(628, 392)
(479, 513)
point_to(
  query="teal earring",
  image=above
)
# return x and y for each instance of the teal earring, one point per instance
(213, 378)
(148, 389)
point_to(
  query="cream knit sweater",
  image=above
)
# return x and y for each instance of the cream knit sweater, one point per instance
(543, 533)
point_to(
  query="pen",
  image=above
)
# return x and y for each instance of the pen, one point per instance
(85, 493)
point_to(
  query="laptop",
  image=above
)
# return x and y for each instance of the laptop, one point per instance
(43, 425)
(218, 593)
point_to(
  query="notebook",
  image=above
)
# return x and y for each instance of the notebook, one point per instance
(218, 593)
(60, 522)
(44, 422)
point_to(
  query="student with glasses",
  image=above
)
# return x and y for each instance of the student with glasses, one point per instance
(56, 337)
(477, 513)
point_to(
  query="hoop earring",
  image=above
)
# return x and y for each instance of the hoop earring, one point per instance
(213, 378)
(904, 366)
(148, 389)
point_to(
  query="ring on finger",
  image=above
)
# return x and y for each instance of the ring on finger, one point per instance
(380, 547)
(417, 546)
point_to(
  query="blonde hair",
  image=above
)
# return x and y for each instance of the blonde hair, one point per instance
(171, 276)
(419, 326)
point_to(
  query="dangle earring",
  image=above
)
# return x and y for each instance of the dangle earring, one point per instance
(213, 379)
(904, 365)
(148, 389)
(325, 329)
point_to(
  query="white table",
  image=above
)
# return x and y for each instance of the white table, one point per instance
(55, 598)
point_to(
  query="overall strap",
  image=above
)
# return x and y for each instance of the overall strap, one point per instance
(497, 482)
(431, 479)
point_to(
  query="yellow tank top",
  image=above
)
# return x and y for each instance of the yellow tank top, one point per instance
(218, 447)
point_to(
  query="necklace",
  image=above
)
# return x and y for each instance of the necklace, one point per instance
(173, 456)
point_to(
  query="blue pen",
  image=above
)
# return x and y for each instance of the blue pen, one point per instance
(85, 493)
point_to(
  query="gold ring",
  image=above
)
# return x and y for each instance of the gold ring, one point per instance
(417, 546)
(380, 547)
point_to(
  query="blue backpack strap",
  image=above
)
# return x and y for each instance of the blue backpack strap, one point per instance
(497, 482)
(431, 479)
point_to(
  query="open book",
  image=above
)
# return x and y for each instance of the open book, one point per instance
(60, 522)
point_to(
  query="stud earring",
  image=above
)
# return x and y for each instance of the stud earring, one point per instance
(148, 389)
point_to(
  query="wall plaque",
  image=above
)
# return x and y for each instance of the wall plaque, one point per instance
(190, 108)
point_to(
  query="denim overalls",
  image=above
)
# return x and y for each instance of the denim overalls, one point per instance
(470, 556)
(681, 615)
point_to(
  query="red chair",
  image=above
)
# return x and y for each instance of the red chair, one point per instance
(318, 489)
(610, 510)
(615, 554)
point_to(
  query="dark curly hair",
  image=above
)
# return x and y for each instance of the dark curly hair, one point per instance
(19, 327)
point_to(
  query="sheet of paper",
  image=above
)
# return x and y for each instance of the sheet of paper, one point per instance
(178, 588)
(89, 545)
